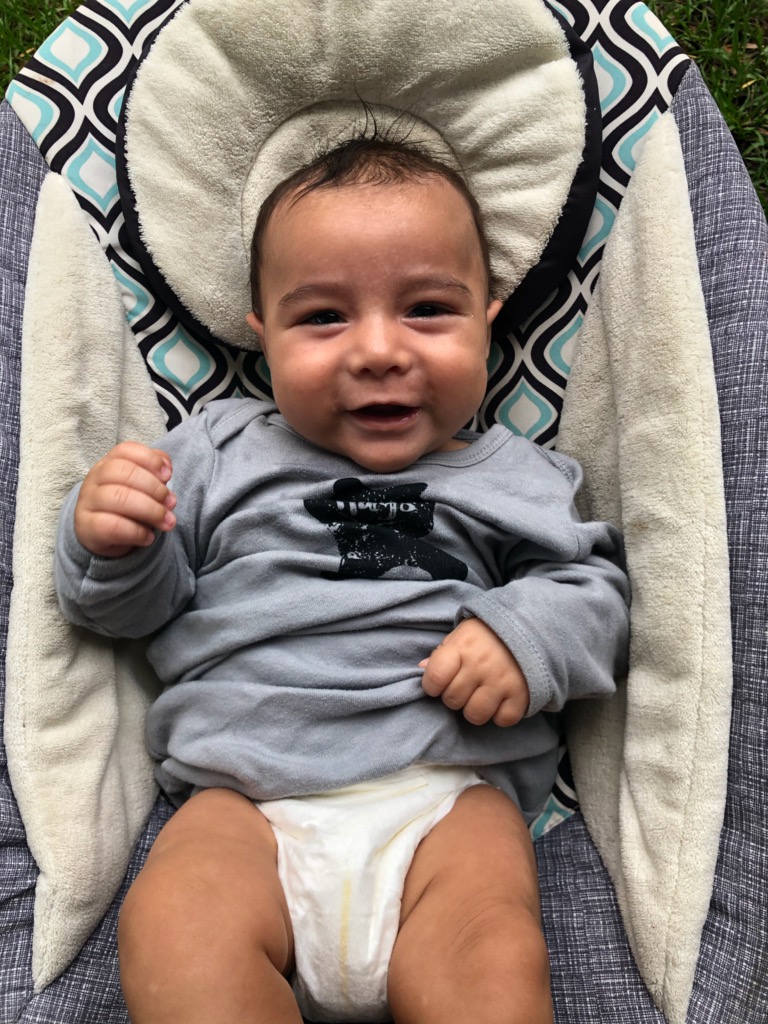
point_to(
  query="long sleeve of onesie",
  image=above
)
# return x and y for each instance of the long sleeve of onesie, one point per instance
(564, 614)
(139, 593)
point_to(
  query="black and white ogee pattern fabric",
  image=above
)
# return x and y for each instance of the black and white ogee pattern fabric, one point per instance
(70, 96)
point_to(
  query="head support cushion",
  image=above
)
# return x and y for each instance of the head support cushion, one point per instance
(231, 98)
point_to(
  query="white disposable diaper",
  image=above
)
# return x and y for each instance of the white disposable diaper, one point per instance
(342, 858)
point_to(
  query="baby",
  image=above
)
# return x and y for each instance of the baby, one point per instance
(364, 615)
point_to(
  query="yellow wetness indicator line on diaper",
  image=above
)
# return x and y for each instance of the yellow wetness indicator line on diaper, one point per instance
(344, 926)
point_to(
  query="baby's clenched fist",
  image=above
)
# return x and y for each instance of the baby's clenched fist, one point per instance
(474, 671)
(124, 499)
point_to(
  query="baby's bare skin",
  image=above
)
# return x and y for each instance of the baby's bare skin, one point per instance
(205, 936)
(124, 499)
(473, 671)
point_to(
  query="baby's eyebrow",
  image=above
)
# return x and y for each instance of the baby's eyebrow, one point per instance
(325, 290)
(307, 291)
(443, 282)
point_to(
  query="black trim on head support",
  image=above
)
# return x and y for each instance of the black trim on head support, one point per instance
(563, 247)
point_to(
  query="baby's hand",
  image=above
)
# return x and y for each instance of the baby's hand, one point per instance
(472, 669)
(124, 499)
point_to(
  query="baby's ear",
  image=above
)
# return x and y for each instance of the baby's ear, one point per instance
(253, 321)
(494, 307)
(492, 311)
(257, 326)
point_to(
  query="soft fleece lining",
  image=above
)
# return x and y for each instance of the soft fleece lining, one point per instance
(75, 703)
(495, 81)
(641, 415)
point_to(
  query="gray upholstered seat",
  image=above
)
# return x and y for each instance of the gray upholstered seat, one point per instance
(594, 977)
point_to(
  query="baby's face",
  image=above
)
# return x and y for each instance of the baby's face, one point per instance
(375, 318)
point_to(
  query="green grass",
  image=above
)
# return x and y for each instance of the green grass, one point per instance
(728, 39)
(24, 24)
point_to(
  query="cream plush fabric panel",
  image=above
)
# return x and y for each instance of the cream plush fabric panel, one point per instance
(641, 414)
(494, 80)
(74, 720)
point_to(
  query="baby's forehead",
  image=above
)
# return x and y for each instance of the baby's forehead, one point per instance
(423, 213)
(301, 203)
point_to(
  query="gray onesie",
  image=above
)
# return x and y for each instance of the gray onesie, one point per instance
(294, 600)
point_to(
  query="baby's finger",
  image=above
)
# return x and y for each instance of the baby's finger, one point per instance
(460, 689)
(128, 475)
(509, 712)
(443, 664)
(154, 460)
(481, 706)
(110, 531)
(130, 503)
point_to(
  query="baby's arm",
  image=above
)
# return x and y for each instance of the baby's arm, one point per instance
(557, 629)
(474, 670)
(124, 499)
(123, 566)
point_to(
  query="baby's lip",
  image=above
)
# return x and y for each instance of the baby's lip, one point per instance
(393, 409)
(385, 415)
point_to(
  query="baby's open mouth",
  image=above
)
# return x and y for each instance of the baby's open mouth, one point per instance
(385, 411)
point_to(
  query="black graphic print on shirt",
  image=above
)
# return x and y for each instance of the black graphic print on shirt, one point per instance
(379, 528)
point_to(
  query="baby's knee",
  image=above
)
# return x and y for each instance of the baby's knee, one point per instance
(167, 917)
(499, 942)
(493, 969)
(505, 962)
(202, 945)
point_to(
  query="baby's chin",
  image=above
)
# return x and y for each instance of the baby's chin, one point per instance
(380, 461)
(380, 444)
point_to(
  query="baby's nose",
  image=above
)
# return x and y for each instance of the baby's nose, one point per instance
(380, 348)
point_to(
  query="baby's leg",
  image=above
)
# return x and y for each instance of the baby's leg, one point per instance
(204, 935)
(470, 946)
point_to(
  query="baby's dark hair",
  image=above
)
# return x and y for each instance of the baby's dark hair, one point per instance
(367, 159)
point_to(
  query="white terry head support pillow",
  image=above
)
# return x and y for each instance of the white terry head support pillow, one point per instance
(233, 97)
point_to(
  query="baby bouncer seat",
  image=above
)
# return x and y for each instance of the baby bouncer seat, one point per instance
(136, 147)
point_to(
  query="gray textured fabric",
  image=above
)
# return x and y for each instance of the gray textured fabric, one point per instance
(594, 976)
(731, 984)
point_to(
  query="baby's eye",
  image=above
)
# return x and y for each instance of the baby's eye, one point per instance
(322, 317)
(425, 310)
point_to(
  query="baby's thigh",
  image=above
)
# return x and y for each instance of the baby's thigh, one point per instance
(470, 929)
(210, 881)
